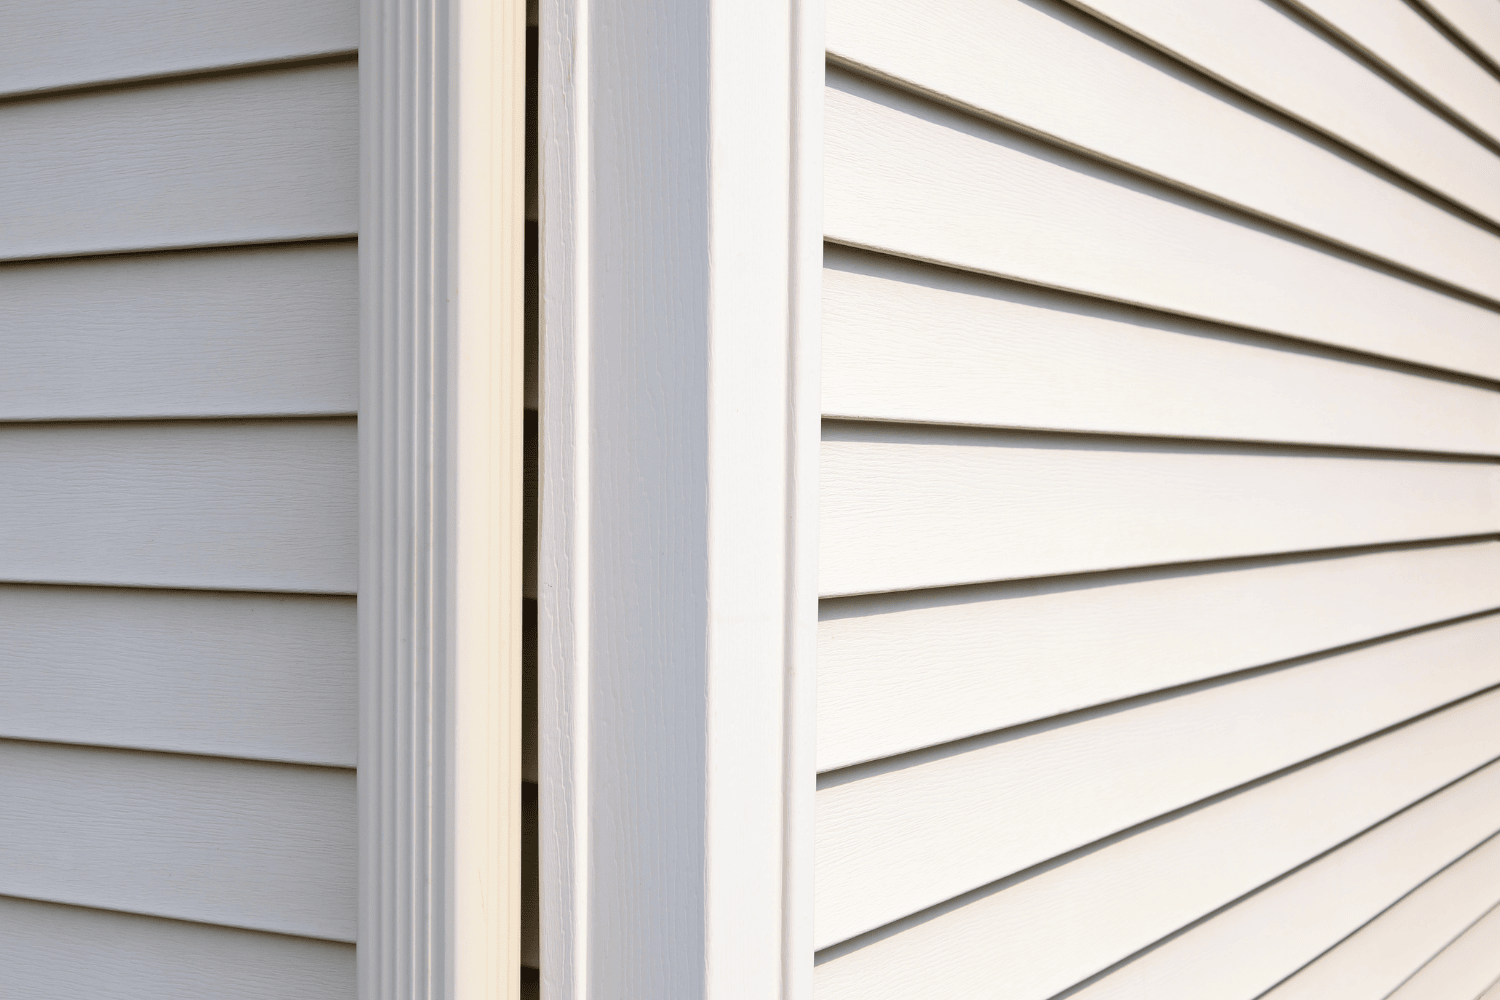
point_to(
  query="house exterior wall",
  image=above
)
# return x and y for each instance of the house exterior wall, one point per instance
(1157, 652)
(178, 552)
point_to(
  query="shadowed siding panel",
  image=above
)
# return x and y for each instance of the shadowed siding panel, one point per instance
(252, 505)
(265, 676)
(148, 452)
(211, 333)
(66, 43)
(262, 846)
(249, 158)
(73, 953)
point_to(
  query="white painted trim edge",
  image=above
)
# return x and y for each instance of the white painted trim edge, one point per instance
(681, 263)
(442, 117)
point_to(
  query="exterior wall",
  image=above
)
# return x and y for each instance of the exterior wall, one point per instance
(1157, 652)
(178, 319)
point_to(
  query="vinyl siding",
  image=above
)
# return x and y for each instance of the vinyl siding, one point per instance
(1160, 503)
(178, 309)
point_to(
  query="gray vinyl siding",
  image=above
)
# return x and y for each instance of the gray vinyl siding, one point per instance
(178, 319)
(1160, 502)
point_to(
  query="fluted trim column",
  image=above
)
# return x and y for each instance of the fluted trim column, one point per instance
(442, 91)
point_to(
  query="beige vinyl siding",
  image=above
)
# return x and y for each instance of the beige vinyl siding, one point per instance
(178, 309)
(1374, 960)
(1160, 502)
(1460, 969)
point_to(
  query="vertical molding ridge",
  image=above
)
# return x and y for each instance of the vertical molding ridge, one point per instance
(442, 92)
(681, 257)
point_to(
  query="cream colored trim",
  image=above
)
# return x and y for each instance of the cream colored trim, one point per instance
(442, 90)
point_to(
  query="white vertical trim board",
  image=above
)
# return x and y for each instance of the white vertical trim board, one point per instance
(442, 91)
(680, 251)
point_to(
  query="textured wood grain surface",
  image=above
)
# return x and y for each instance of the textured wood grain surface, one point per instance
(1268, 55)
(71, 43)
(74, 953)
(238, 505)
(903, 834)
(262, 846)
(910, 342)
(248, 158)
(901, 671)
(262, 676)
(213, 333)
(1051, 927)
(1377, 958)
(909, 177)
(906, 507)
(1130, 105)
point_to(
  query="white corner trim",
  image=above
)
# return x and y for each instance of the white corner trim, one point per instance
(681, 262)
(442, 92)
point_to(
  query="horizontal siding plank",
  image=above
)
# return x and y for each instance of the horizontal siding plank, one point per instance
(909, 342)
(1475, 21)
(897, 837)
(262, 676)
(1264, 52)
(67, 43)
(267, 847)
(238, 505)
(1132, 106)
(1241, 952)
(904, 507)
(250, 158)
(52, 952)
(1048, 929)
(1404, 42)
(1463, 969)
(270, 331)
(1378, 957)
(908, 177)
(904, 671)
